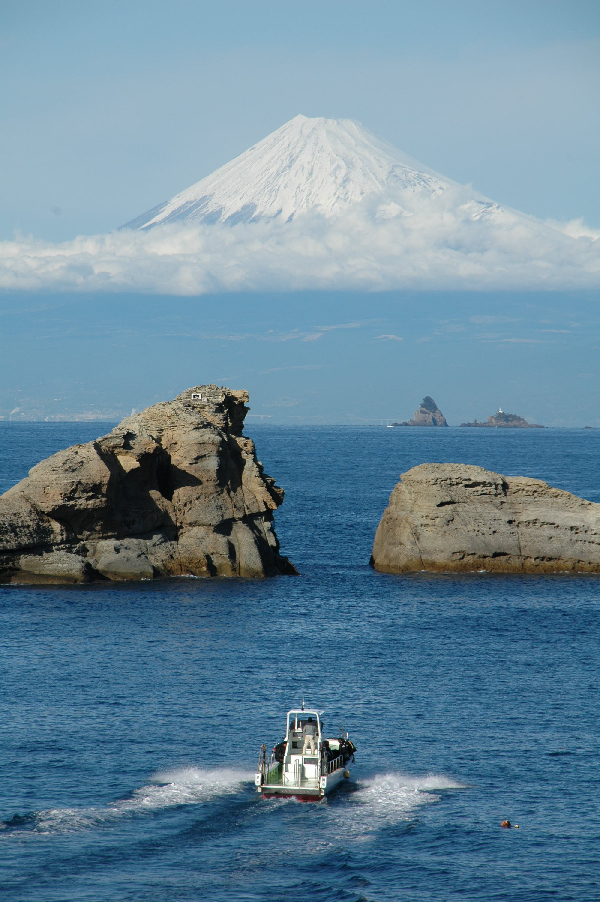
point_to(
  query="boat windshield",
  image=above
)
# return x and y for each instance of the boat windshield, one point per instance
(297, 720)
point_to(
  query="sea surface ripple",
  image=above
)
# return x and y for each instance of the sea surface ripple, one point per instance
(132, 715)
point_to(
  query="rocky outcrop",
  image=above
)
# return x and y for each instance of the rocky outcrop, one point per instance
(174, 490)
(502, 420)
(428, 414)
(456, 517)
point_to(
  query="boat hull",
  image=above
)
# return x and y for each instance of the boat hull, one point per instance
(299, 795)
(303, 793)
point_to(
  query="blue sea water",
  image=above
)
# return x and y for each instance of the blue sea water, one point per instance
(132, 715)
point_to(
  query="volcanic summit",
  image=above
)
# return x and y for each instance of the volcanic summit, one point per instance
(308, 165)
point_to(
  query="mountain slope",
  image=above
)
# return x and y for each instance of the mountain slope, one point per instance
(321, 165)
(318, 204)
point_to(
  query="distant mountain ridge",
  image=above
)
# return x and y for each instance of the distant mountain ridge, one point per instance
(308, 165)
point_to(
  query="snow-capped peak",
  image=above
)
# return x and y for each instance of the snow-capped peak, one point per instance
(321, 165)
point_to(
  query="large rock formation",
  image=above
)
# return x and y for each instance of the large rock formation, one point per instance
(457, 517)
(428, 414)
(502, 420)
(174, 490)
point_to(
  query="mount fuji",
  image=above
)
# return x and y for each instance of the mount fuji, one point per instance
(317, 204)
(323, 166)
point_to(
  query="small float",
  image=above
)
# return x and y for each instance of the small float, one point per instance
(305, 765)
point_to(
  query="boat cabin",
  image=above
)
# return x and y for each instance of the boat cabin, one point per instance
(303, 740)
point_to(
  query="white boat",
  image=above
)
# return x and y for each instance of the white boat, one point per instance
(305, 765)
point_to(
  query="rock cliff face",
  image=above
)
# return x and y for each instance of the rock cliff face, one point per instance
(428, 414)
(174, 490)
(455, 517)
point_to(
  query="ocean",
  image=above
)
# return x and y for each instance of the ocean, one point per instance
(132, 715)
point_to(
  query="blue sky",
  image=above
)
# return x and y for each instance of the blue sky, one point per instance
(112, 107)
(109, 108)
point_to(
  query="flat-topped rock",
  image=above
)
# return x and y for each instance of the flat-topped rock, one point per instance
(174, 490)
(503, 420)
(454, 517)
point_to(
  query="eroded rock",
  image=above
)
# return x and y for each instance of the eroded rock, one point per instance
(174, 490)
(449, 517)
(428, 414)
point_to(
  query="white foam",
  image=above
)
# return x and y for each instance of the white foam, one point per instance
(388, 799)
(380, 801)
(430, 783)
(186, 786)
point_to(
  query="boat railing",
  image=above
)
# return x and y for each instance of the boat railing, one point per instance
(335, 764)
(262, 761)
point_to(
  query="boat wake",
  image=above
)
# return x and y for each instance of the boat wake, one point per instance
(385, 800)
(168, 789)
(186, 786)
(359, 810)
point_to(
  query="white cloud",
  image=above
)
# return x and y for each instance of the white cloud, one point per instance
(575, 228)
(311, 366)
(340, 326)
(282, 402)
(497, 339)
(491, 320)
(443, 244)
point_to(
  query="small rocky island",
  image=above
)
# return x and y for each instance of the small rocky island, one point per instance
(454, 517)
(502, 420)
(428, 414)
(174, 490)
